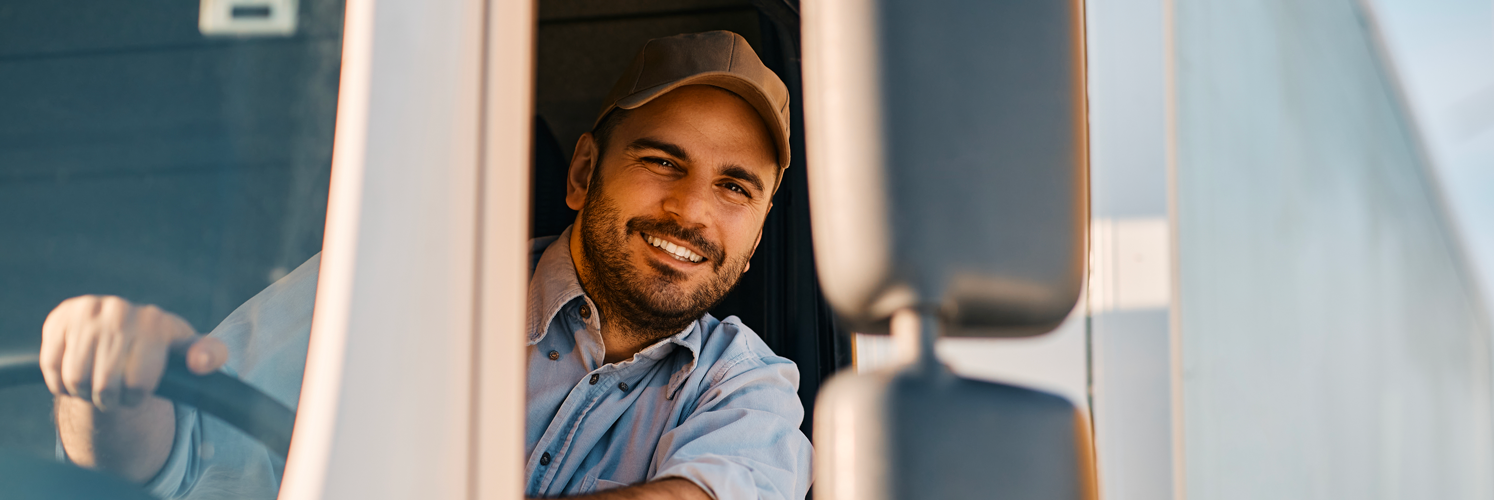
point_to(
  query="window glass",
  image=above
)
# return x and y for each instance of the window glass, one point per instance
(152, 151)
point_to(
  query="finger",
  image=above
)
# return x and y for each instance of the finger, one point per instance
(170, 327)
(54, 341)
(77, 359)
(206, 355)
(108, 368)
(111, 335)
(155, 330)
(143, 368)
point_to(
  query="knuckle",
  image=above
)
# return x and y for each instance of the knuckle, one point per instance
(88, 302)
(66, 307)
(113, 305)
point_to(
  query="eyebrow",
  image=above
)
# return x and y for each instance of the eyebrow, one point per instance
(650, 143)
(744, 175)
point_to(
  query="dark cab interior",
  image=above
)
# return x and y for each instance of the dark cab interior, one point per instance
(584, 46)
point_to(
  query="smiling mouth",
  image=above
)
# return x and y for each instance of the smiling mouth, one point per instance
(678, 252)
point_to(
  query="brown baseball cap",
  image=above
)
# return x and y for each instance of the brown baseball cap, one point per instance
(716, 58)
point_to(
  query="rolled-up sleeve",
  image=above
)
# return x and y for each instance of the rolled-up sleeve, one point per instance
(742, 441)
(176, 476)
(211, 460)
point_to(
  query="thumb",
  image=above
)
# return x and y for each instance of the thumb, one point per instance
(204, 354)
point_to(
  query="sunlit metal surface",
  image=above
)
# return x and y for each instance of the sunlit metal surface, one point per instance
(1332, 342)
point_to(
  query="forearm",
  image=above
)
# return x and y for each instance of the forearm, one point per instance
(132, 443)
(665, 489)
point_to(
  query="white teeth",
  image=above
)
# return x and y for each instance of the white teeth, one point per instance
(679, 252)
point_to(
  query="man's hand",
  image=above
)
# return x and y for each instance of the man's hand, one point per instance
(664, 489)
(103, 357)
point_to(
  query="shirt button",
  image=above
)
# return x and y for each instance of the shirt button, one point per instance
(545, 459)
(594, 378)
(623, 386)
(585, 311)
(554, 355)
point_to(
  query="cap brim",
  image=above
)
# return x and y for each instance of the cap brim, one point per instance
(734, 84)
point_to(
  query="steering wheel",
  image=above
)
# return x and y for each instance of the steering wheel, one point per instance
(217, 394)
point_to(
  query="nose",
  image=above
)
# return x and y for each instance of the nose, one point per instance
(689, 201)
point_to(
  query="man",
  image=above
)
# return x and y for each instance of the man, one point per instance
(634, 390)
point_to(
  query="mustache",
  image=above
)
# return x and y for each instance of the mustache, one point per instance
(666, 227)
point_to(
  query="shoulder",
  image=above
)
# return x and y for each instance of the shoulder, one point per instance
(732, 350)
(288, 302)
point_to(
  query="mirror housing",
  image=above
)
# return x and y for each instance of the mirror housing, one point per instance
(948, 160)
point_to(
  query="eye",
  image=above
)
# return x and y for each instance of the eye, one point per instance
(661, 162)
(737, 188)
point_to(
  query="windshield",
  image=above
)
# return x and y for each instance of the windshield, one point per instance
(173, 154)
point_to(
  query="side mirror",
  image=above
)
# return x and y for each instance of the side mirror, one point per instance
(947, 156)
(947, 172)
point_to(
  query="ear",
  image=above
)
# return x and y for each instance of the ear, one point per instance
(757, 242)
(578, 175)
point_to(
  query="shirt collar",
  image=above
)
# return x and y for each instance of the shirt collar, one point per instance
(555, 284)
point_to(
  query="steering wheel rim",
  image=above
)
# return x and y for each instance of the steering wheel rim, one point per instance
(218, 394)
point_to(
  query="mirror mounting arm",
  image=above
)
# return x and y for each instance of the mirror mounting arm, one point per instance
(915, 331)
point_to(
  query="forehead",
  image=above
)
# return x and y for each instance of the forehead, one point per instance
(708, 123)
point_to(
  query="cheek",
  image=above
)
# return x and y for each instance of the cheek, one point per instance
(739, 230)
(638, 187)
(632, 198)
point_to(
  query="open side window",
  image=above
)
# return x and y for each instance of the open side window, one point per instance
(583, 47)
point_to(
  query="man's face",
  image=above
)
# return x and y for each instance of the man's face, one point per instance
(670, 222)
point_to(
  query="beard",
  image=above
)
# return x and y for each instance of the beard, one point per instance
(647, 306)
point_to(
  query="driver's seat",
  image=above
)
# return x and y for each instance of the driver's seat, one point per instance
(549, 214)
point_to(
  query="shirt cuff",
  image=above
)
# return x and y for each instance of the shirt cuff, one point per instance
(722, 479)
(179, 473)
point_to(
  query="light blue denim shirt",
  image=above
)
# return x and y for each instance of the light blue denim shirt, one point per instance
(711, 404)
